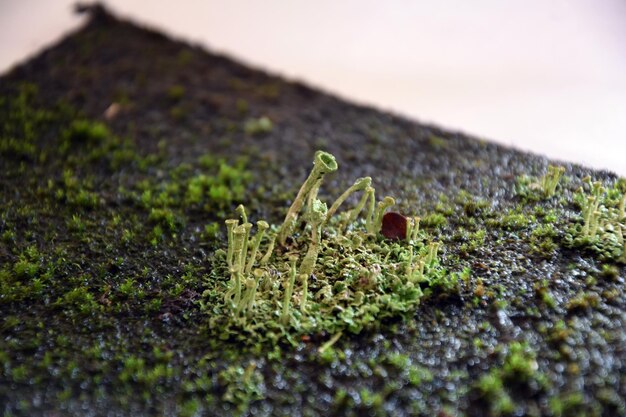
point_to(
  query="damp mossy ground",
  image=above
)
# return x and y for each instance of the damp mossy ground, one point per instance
(124, 152)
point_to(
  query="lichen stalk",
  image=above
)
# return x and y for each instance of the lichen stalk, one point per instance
(284, 318)
(262, 226)
(380, 212)
(230, 226)
(313, 194)
(360, 205)
(239, 234)
(323, 163)
(316, 217)
(305, 292)
(359, 185)
(371, 209)
(409, 264)
(251, 294)
(241, 210)
(415, 228)
(268, 254)
(244, 250)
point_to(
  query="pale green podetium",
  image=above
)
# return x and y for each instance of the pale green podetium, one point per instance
(413, 228)
(551, 180)
(270, 250)
(360, 184)
(234, 292)
(262, 226)
(377, 222)
(316, 218)
(248, 299)
(288, 290)
(368, 195)
(230, 227)
(244, 251)
(591, 212)
(323, 164)
(241, 210)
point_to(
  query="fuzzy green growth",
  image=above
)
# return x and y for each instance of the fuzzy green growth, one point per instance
(360, 278)
(323, 164)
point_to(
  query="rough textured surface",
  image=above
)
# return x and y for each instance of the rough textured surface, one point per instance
(122, 153)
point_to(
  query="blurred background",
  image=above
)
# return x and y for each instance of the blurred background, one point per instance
(542, 76)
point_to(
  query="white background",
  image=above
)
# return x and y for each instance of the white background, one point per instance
(541, 75)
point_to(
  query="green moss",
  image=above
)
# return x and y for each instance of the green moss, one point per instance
(437, 142)
(79, 300)
(513, 219)
(242, 106)
(519, 372)
(176, 92)
(15, 148)
(190, 408)
(571, 404)
(212, 231)
(583, 301)
(241, 385)
(418, 375)
(165, 218)
(178, 113)
(434, 220)
(542, 240)
(492, 391)
(260, 126)
(84, 132)
(474, 241)
(544, 294)
(520, 364)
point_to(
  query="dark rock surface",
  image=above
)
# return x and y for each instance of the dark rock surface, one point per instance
(102, 314)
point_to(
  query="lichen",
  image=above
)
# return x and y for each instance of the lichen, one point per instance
(350, 277)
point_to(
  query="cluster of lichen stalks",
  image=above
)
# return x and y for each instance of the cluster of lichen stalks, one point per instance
(604, 226)
(251, 268)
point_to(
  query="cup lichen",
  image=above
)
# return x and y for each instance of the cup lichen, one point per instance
(341, 278)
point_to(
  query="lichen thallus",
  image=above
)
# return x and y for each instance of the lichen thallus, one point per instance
(253, 272)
